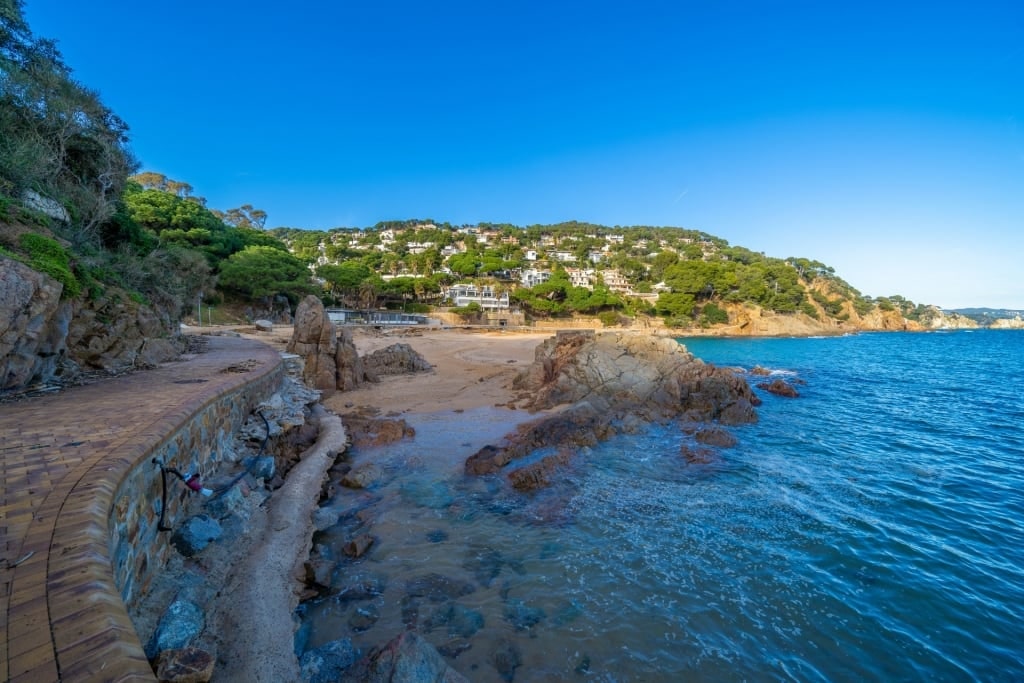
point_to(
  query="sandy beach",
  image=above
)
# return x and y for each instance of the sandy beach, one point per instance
(470, 369)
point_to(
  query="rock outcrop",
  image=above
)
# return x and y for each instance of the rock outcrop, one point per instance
(609, 383)
(331, 360)
(397, 359)
(48, 339)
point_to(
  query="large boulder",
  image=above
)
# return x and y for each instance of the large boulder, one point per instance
(610, 382)
(331, 359)
(406, 659)
(350, 373)
(619, 372)
(397, 359)
(315, 338)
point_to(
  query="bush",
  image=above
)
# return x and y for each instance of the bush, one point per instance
(47, 256)
(609, 318)
(713, 315)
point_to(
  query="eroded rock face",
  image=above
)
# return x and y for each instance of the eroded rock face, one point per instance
(610, 382)
(31, 321)
(45, 339)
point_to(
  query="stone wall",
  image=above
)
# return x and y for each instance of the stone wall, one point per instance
(137, 548)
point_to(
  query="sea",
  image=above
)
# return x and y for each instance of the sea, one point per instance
(871, 529)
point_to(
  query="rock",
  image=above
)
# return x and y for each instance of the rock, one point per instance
(454, 647)
(779, 387)
(715, 436)
(406, 659)
(537, 475)
(612, 382)
(738, 413)
(328, 662)
(319, 572)
(758, 371)
(367, 432)
(185, 665)
(351, 372)
(33, 325)
(178, 626)
(521, 616)
(361, 477)
(697, 455)
(358, 546)
(460, 621)
(506, 659)
(434, 495)
(326, 517)
(263, 325)
(397, 359)
(364, 617)
(229, 502)
(262, 467)
(195, 534)
(438, 587)
(359, 586)
(314, 337)
(437, 536)
(488, 460)
(485, 564)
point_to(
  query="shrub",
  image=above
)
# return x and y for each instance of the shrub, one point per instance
(47, 256)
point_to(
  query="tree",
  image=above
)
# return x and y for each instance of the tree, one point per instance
(244, 216)
(261, 272)
(58, 137)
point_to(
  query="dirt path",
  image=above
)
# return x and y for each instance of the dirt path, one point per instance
(263, 594)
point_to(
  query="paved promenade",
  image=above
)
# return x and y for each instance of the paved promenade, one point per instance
(61, 458)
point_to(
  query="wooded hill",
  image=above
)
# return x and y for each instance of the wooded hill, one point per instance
(71, 208)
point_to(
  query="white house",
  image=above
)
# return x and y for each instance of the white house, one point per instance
(531, 277)
(464, 294)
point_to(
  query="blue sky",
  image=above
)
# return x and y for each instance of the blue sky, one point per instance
(885, 139)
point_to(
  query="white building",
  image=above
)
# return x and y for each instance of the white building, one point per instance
(531, 277)
(467, 293)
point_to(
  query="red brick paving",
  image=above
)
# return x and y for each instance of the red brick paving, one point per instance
(61, 458)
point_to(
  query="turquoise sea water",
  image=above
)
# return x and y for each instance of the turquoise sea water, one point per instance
(872, 529)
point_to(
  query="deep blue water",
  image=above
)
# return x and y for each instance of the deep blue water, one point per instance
(871, 529)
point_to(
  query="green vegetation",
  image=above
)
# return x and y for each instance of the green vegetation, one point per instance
(47, 256)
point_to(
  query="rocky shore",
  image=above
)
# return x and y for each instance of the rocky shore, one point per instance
(566, 392)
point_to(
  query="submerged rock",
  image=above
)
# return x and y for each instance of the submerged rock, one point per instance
(522, 616)
(779, 387)
(328, 662)
(460, 621)
(406, 659)
(438, 587)
(506, 659)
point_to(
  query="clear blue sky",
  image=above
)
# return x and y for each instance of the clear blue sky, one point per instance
(885, 139)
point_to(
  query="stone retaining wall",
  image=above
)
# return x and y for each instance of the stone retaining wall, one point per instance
(137, 548)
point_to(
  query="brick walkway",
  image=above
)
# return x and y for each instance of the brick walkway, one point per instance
(61, 458)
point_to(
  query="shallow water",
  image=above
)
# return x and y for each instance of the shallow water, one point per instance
(869, 530)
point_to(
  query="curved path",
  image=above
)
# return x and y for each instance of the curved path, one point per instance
(61, 458)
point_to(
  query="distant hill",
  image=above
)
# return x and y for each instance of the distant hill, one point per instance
(986, 316)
